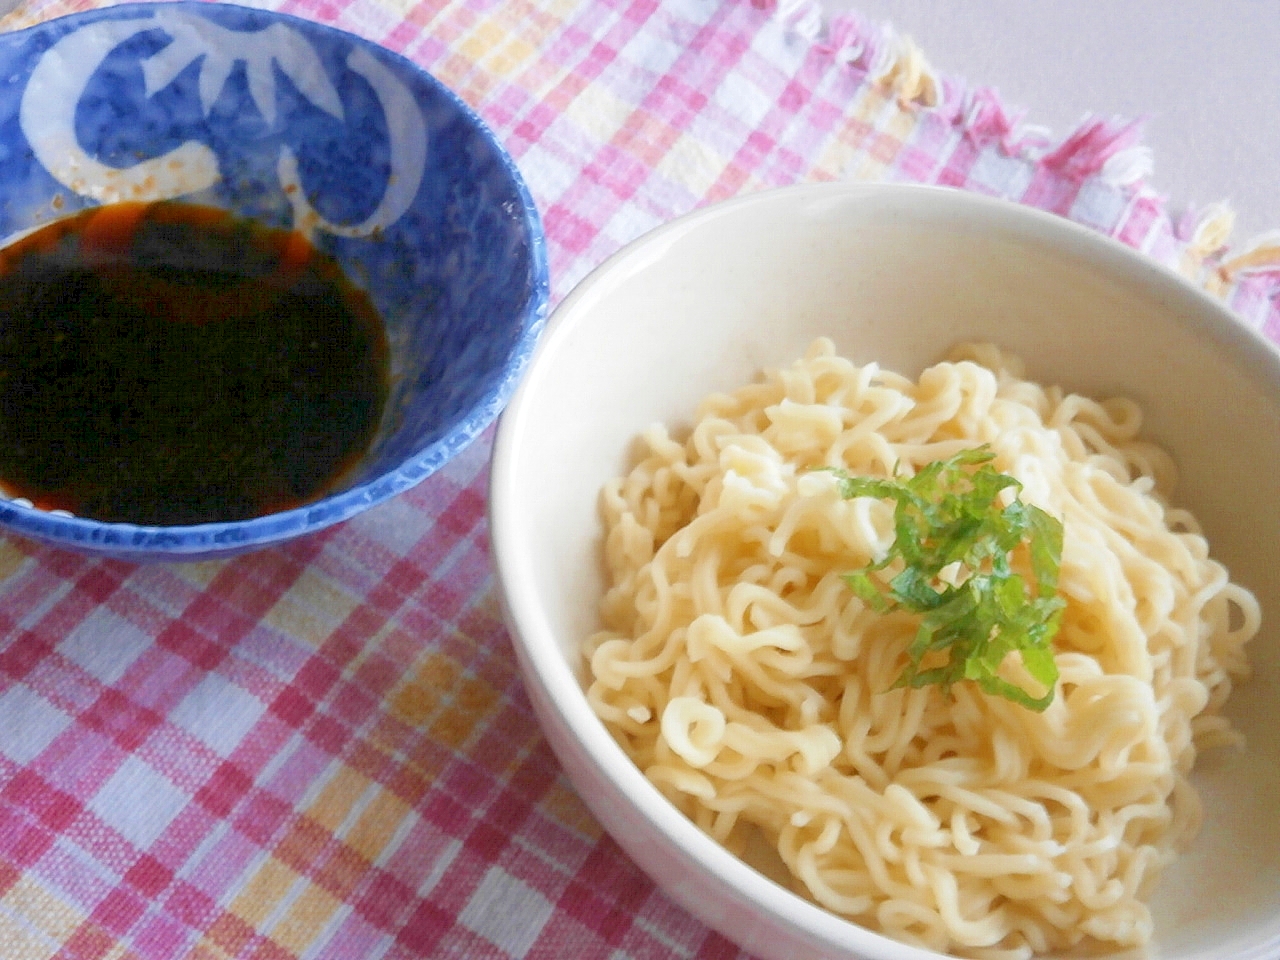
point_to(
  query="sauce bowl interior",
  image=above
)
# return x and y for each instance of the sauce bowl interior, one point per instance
(375, 161)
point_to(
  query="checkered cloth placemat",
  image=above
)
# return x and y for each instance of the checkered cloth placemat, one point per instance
(323, 750)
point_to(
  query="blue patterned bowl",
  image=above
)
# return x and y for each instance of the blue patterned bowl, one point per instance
(298, 126)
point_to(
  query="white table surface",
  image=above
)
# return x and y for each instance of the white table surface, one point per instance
(1204, 73)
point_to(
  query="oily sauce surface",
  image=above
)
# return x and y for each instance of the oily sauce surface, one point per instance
(172, 364)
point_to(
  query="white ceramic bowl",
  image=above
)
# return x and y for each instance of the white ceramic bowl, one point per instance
(894, 274)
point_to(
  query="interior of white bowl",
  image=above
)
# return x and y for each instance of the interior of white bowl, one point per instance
(896, 275)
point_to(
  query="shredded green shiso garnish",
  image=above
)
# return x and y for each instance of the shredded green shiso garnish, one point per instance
(950, 513)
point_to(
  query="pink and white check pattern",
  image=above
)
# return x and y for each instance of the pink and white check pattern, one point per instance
(322, 751)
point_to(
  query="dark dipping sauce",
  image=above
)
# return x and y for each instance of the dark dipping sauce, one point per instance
(170, 363)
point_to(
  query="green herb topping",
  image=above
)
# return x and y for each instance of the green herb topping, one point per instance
(949, 513)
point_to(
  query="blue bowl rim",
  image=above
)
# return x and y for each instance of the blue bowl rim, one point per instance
(204, 539)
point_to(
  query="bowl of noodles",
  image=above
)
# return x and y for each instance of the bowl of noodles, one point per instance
(894, 572)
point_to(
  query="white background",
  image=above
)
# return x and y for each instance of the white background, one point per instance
(1204, 73)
